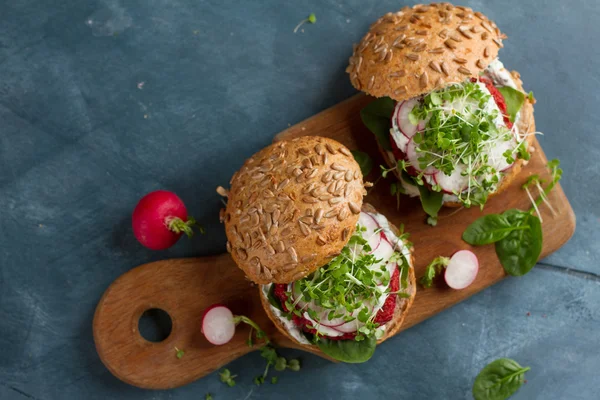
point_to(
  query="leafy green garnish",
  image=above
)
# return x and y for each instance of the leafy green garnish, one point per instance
(349, 351)
(514, 100)
(431, 201)
(208, 396)
(376, 116)
(489, 229)
(435, 267)
(499, 380)
(518, 238)
(519, 251)
(274, 380)
(364, 161)
(227, 378)
(517, 234)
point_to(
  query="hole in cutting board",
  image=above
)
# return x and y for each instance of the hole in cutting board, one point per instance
(155, 325)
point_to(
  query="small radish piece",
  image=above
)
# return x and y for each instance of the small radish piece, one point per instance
(334, 322)
(404, 124)
(413, 158)
(159, 220)
(462, 269)
(323, 329)
(218, 325)
(454, 182)
(371, 235)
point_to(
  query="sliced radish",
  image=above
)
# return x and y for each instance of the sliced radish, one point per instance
(383, 252)
(323, 319)
(454, 182)
(372, 234)
(399, 139)
(325, 330)
(462, 269)
(404, 124)
(348, 327)
(413, 158)
(218, 325)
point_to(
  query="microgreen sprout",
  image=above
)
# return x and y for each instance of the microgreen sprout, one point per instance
(312, 18)
(535, 180)
(227, 378)
(179, 353)
(279, 363)
(260, 334)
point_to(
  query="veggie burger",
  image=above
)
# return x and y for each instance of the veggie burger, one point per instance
(451, 121)
(334, 274)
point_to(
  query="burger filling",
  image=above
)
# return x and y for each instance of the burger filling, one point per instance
(354, 296)
(457, 142)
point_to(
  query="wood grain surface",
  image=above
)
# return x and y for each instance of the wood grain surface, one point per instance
(185, 287)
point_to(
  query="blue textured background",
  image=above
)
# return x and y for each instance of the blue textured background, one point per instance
(80, 143)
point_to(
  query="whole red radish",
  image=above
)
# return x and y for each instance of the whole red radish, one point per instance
(159, 220)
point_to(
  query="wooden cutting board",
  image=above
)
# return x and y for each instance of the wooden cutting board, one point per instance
(185, 287)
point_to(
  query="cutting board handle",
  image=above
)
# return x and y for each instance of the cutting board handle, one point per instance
(183, 288)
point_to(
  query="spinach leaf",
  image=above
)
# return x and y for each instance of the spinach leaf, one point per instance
(273, 300)
(349, 351)
(499, 380)
(489, 229)
(376, 116)
(364, 161)
(514, 100)
(430, 200)
(520, 249)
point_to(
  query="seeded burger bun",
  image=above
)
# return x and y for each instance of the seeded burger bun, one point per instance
(392, 327)
(421, 49)
(292, 207)
(428, 47)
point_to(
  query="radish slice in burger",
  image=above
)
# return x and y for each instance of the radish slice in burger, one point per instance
(455, 182)
(372, 233)
(462, 269)
(413, 159)
(383, 253)
(348, 327)
(218, 325)
(404, 124)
